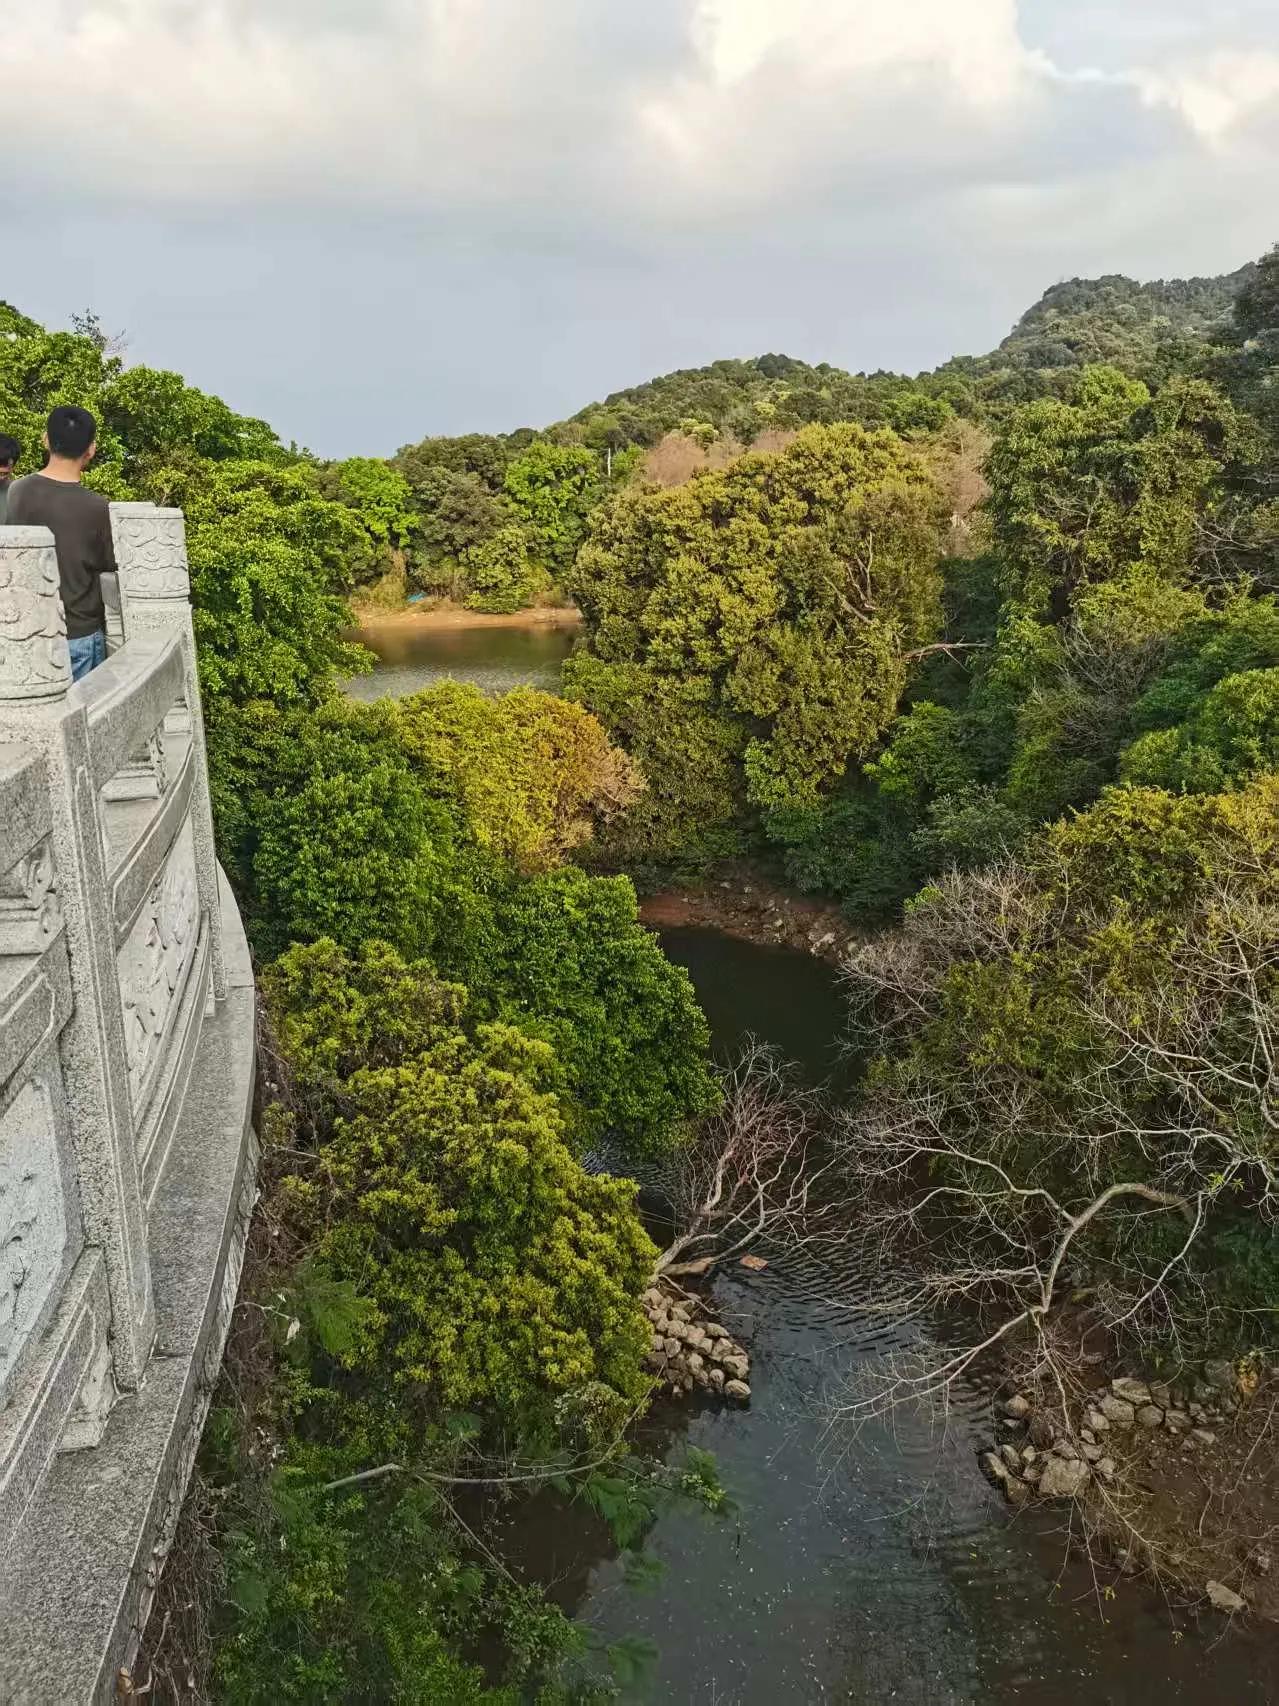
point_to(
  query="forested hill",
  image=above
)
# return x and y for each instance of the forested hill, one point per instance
(1146, 330)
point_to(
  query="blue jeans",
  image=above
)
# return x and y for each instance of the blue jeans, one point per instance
(87, 652)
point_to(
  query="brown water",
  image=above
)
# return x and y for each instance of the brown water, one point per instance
(414, 655)
(871, 1569)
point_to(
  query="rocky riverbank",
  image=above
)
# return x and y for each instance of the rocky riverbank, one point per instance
(741, 903)
(691, 1351)
(1175, 1478)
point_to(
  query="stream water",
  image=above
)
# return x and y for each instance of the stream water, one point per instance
(871, 1568)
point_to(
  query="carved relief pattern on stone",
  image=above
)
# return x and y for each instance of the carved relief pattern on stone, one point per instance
(154, 962)
(32, 1217)
(156, 759)
(151, 555)
(34, 660)
(30, 916)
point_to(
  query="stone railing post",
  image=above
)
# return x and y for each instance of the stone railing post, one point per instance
(39, 708)
(155, 598)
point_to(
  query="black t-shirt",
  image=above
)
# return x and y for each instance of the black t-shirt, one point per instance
(80, 521)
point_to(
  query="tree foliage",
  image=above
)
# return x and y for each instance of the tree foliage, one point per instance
(781, 594)
(452, 1201)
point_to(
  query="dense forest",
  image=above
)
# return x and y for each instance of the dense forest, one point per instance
(990, 656)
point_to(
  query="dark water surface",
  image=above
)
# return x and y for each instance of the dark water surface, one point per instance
(871, 1569)
(413, 655)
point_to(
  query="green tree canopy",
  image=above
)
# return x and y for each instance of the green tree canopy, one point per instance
(780, 594)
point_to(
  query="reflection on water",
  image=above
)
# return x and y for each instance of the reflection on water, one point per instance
(413, 655)
(870, 1569)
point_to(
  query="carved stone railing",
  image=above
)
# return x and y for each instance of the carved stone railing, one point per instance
(113, 972)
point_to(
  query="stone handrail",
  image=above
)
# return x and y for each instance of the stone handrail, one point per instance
(114, 1022)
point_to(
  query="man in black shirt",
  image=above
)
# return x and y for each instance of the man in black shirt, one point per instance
(80, 522)
(10, 450)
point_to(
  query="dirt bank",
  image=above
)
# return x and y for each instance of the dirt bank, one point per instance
(1178, 1479)
(454, 616)
(738, 901)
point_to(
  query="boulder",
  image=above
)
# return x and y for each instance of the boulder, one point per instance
(1066, 1448)
(672, 1347)
(1161, 1395)
(717, 1378)
(1225, 1599)
(1063, 1478)
(1150, 1416)
(1092, 1453)
(994, 1468)
(1029, 1455)
(713, 1330)
(1106, 1468)
(1134, 1392)
(1087, 1436)
(696, 1361)
(1097, 1422)
(1117, 1411)
(1042, 1432)
(1018, 1407)
(1011, 1456)
(1178, 1418)
(1205, 1436)
(1016, 1492)
(738, 1391)
(738, 1367)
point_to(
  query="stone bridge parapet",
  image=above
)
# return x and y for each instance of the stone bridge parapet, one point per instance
(127, 1156)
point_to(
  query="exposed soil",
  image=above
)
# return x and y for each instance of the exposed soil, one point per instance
(455, 616)
(741, 903)
(1191, 1499)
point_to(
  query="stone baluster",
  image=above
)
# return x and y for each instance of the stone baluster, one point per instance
(40, 708)
(155, 598)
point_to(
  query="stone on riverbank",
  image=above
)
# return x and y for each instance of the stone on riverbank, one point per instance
(1063, 1478)
(683, 1350)
(1225, 1599)
(1042, 1432)
(1134, 1392)
(1117, 1411)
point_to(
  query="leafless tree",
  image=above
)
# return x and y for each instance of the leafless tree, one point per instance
(1176, 1104)
(755, 1171)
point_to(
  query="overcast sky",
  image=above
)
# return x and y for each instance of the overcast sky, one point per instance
(371, 219)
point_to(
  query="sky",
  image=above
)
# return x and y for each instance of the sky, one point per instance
(368, 220)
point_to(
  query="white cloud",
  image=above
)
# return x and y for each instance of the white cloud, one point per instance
(870, 180)
(973, 42)
(1220, 97)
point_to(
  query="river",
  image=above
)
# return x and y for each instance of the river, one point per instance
(871, 1568)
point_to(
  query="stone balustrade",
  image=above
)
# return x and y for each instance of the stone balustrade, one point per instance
(126, 1073)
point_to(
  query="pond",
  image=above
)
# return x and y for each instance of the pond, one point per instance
(415, 652)
(869, 1568)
